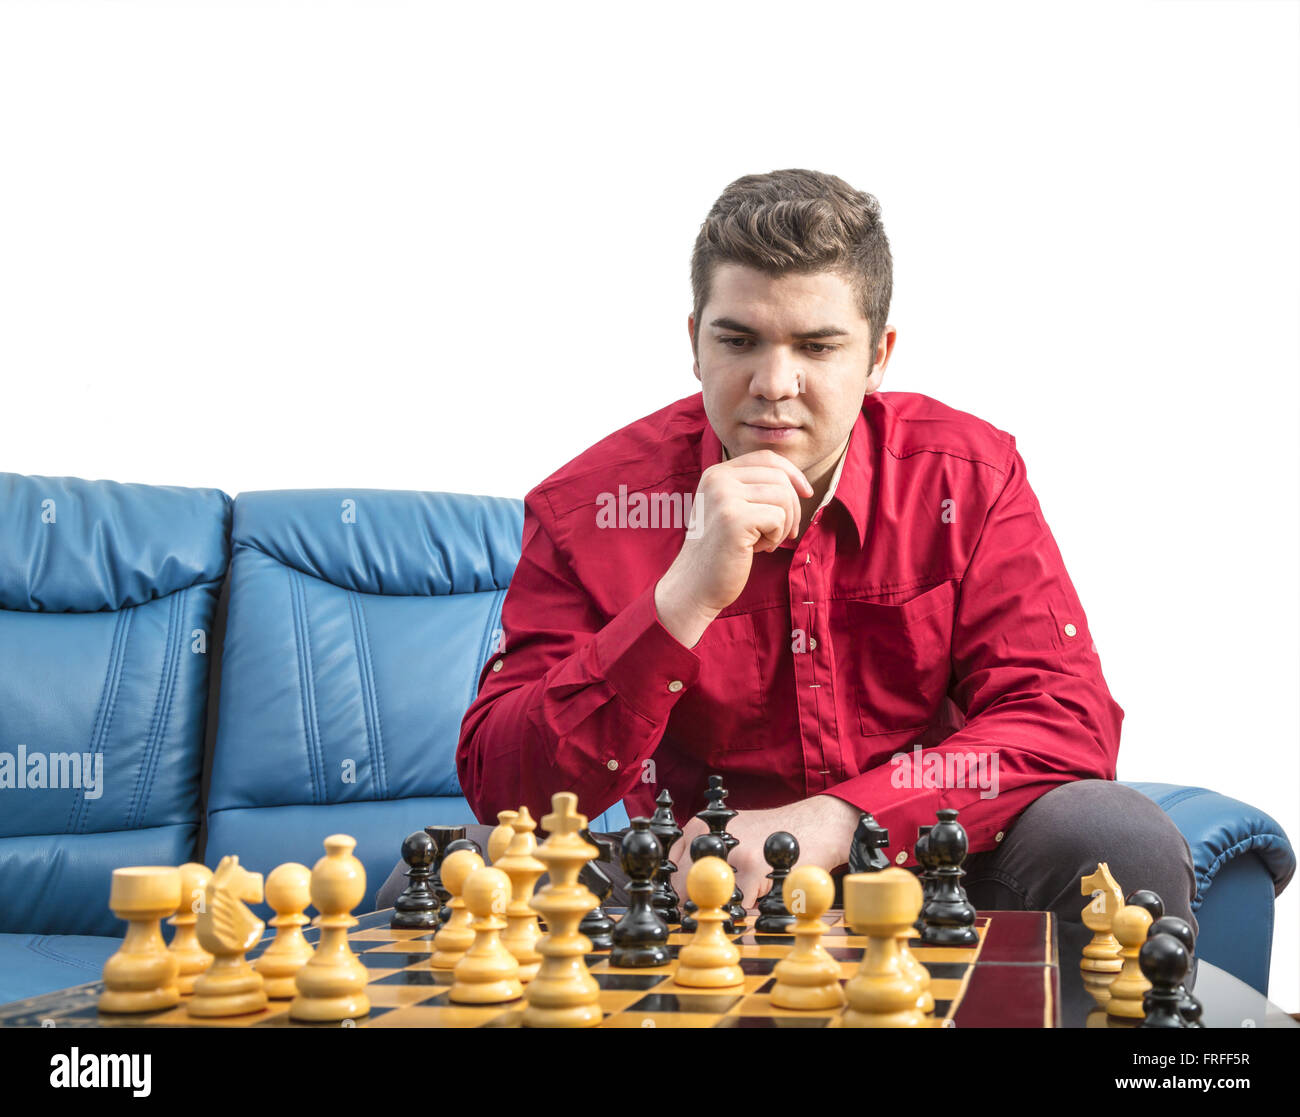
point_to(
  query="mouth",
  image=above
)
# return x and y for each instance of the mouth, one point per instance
(771, 431)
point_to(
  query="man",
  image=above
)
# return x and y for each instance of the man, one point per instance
(841, 600)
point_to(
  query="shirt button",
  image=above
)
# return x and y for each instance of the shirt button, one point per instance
(612, 765)
(812, 643)
(1070, 630)
(902, 856)
(496, 666)
(675, 685)
(999, 835)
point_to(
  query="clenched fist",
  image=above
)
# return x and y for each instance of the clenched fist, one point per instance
(746, 504)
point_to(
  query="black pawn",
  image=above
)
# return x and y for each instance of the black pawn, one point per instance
(596, 924)
(459, 843)
(1164, 961)
(641, 937)
(1147, 900)
(704, 845)
(716, 816)
(663, 824)
(781, 851)
(1189, 1006)
(948, 919)
(416, 909)
(928, 865)
(446, 837)
(869, 839)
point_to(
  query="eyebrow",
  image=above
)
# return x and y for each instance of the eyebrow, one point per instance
(741, 328)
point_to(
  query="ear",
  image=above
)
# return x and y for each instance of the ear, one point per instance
(690, 333)
(884, 350)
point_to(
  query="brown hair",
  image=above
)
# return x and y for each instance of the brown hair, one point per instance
(798, 221)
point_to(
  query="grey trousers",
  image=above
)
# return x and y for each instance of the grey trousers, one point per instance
(1057, 840)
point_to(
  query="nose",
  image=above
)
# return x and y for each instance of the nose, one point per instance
(776, 375)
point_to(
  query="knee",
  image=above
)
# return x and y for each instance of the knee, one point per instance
(1084, 822)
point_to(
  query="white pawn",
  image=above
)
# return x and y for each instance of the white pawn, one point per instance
(1130, 927)
(288, 891)
(332, 984)
(488, 974)
(808, 977)
(456, 936)
(709, 960)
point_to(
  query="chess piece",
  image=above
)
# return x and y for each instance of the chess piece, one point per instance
(455, 846)
(1101, 955)
(332, 985)
(596, 924)
(704, 845)
(1147, 900)
(948, 917)
(641, 937)
(1097, 985)
(185, 946)
(928, 865)
(808, 977)
(288, 891)
(1163, 961)
(780, 851)
(226, 929)
(663, 823)
(523, 869)
(141, 975)
(501, 837)
(1130, 926)
(865, 851)
(883, 993)
(563, 994)
(488, 974)
(456, 936)
(442, 837)
(416, 909)
(716, 816)
(710, 960)
(1189, 1006)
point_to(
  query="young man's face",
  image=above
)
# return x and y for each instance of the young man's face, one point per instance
(767, 384)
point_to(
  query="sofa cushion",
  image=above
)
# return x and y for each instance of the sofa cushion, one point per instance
(357, 625)
(107, 595)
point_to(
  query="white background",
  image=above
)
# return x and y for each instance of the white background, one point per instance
(266, 245)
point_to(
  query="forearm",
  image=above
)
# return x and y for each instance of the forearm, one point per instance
(584, 724)
(993, 768)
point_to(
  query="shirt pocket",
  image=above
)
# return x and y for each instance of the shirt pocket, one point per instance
(900, 658)
(725, 711)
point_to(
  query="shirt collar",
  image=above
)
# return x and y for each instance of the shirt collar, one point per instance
(851, 482)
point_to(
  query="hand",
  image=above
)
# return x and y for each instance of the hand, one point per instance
(743, 505)
(823, 824)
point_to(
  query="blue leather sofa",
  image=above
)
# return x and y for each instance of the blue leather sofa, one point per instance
(343, 650)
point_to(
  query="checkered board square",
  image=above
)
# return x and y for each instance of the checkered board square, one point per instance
(1015, 958)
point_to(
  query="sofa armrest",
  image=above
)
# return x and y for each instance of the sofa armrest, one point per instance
(1219, 829)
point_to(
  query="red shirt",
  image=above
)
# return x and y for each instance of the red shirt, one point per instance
(925, 606)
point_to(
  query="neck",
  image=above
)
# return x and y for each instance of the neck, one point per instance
(819, 477)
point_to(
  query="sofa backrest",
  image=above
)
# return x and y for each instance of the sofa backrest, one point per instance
(357, 625)
(107, 595)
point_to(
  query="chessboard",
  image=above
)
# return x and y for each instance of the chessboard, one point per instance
(1009, 979)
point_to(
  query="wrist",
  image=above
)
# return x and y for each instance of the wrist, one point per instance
(831, 825)
(684, 620)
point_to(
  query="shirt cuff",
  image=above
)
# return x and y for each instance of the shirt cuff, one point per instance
(648, 667)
